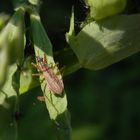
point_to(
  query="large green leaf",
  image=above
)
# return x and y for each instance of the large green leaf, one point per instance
(100, 44)
(12, 51)
(12, 37)
(12, 43)
(56, 105)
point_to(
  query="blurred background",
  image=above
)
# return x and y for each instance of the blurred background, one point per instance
(104, 105)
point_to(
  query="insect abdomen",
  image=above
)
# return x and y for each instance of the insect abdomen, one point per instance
(54, 83)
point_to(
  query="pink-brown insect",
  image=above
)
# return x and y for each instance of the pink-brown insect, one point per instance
(54, 83)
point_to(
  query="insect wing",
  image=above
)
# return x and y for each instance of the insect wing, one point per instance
(54, 83)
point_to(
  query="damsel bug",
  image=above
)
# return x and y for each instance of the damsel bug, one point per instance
(54, 83)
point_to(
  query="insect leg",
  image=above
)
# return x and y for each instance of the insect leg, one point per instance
(37, 66)
(62, 69)
(36, 74)
(41, 98)
(53, 66)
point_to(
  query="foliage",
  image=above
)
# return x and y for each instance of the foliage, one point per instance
(91, 35)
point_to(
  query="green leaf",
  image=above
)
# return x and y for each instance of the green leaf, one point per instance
(56, 105)
(100, 9)
(27, 81)
(8, 98)
(43, 46)
(12, 43)
(100, 44)
(12, 37)
(12, 51)
(3, 65)
(3, 20)
(34, 2)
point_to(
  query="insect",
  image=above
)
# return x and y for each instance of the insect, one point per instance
(54, 83)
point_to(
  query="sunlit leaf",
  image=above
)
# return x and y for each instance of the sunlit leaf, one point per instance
(100, 44)
(100, 9)
(56, 105)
